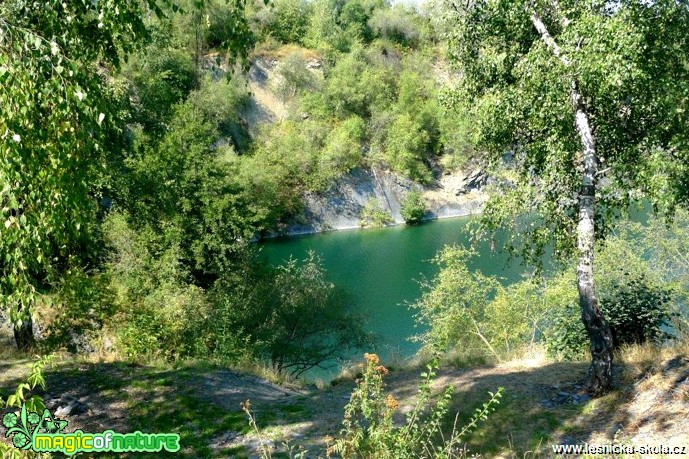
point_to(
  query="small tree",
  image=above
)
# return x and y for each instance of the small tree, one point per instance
(591, 96)
(304, 323)
(413, 208)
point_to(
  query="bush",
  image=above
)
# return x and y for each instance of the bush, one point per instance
(413, 208)
(632, 297)
(373, 214)
(453, 304)
(291, 19)
(405, 148)
(81, 305)
(159, 80)
(369, 430)
(635, 310)
(565, 337)
(291, 316)
(396, 24)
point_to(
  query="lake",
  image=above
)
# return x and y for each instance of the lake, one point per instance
(380, 268)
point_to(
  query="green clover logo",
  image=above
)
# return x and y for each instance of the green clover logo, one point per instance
(33, 418)
(9, 420)
(20, 440)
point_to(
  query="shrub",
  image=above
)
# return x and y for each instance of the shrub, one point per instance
(291, 316)
(413, 208)
(291, 19)
(222, 24)
(368, 427)
(397, 24)
(636, 311)
(566, 337)
(373, 214)
(633, 298)
(405, 148)
(453, 304)
(81, 305)
(342, 151)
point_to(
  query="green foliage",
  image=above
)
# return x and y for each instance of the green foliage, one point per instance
(36, 378)
(56, 115)
(33, 403)
(283, 164)
(566, 337)
(284, 20)
(158, 81)
(637, 311)
(399, 24)
(294, 77)
(357, 85)
(291, 316)
(405, 145)
(369, 430)
(157, 312)
(518, 315)
(306, 322)
(62, 123)
(471, 313)
(342, 151)
(413, 208)
(373, 214)
(185, 186)
(80, 306)
(453, 304)
(227, 27)
(635, 299)
(627, 63)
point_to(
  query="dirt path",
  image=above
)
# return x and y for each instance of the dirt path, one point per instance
(543, 403)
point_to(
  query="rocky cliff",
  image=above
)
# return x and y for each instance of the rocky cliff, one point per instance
(452, 194)
(341, 207)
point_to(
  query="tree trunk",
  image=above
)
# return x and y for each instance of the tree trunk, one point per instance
(599, 377)
(23, 335)
(600, 373)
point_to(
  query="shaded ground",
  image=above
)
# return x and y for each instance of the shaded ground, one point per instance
(543, 404)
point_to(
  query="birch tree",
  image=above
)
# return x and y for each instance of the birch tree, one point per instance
(592, 99)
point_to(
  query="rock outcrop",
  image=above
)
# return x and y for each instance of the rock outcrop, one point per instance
(342, 205)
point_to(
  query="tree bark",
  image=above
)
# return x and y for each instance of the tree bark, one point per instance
(599, 377)
(23, 335)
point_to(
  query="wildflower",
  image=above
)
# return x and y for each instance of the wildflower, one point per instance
(372, 358)
(17, 138)
(382, 370)
(391, 402)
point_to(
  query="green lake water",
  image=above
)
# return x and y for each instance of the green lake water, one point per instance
(379, 270)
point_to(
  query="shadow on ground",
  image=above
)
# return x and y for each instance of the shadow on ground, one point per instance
(542, 405)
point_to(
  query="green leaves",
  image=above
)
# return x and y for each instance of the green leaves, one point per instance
(517, 94)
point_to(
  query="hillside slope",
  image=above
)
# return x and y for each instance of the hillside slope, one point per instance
(451, 194)
(543, 404)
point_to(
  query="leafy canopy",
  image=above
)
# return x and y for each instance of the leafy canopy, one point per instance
(630, 61)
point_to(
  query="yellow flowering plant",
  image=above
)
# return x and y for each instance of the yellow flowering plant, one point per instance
(369, 430)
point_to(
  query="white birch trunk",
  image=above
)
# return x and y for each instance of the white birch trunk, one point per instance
(600, 373)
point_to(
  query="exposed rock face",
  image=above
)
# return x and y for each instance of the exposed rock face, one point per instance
(342, 205)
